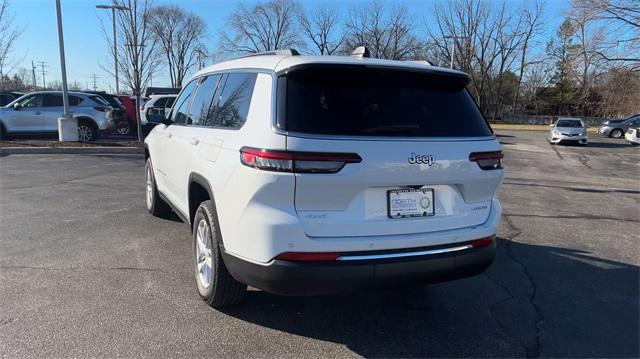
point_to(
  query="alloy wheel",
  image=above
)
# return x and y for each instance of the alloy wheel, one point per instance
(203, 254)
(149, 181)
(84, 133)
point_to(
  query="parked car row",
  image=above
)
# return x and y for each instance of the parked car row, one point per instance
(98, 113)
(38, 113)
(574, 130)
(617, 128)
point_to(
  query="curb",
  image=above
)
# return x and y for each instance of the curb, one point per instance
(69, 150)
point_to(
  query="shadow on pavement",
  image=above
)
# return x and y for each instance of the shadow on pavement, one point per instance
(620, 144)
(533, 301)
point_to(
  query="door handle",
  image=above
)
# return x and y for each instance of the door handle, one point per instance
(194, 141)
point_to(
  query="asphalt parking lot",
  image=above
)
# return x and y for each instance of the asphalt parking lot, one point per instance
(85, 271)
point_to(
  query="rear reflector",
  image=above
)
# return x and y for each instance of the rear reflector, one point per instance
(483, 242)
(296, 162)
(487, 160)
(308, 256)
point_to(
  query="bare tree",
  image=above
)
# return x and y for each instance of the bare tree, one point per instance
(8, 36)
(137, 47)
(532, 27)
(621, 18)
(536, 77)
(262, 27)
(387, 34)
(179, 35)
(320, 27)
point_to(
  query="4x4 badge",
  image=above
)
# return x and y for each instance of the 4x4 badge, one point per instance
(422, 159)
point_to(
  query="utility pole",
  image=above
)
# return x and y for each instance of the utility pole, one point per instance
(43, 64)
(115, 46)
(33, 74)
(67, 125)
(95, 83)
(201, 57)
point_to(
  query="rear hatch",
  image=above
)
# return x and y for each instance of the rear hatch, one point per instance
(413, 133)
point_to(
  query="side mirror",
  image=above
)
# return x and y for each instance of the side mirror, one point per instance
(16, 106)
(156, 115)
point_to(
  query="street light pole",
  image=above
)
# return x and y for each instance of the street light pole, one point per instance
(63, 67)
(115, 46)
(453, 46)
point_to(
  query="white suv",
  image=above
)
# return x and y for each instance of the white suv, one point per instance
(308, 175)
(38, 112)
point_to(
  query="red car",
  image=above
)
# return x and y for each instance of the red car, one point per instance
(129, 103)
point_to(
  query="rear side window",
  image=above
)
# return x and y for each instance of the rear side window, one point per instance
(365, 101)
(51, 100)
(169, 102)
(99, 100)
(199, 113)
(74, 100)
(180, 112)
(232, 106)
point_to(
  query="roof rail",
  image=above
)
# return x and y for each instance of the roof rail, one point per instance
(280, 52)
(361, 51)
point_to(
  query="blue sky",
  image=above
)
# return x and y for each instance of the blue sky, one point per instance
(85, 45)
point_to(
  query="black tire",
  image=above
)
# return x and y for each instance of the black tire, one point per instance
(124, 128)
(223, 290)
(155, 205)
(87, 131)
(3, 132)
(615, 133)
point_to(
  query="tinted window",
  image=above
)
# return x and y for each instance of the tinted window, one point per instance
(51, 100)
(169, 102)
(201, 104)
(159, 102)
(74, 100)
(5, 99)
(362, 101)
(31, 101)
(569, 123)
(232, 106)
(99, 100)
(180, 114)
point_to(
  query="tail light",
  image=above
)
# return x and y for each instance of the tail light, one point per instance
(308, 256)
(296, 162)
(102, 109)
(487, 160)
(483, 242)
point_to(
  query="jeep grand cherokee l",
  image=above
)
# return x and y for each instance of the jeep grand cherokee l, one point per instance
(305, 175)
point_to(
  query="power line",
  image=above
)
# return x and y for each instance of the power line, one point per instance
(43, 64)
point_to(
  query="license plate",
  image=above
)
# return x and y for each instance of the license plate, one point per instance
(402, 203)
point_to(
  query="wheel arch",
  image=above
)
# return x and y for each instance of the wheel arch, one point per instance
(199, 190)
(88, 119)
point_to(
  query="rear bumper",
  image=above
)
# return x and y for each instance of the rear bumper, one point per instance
(318, 278)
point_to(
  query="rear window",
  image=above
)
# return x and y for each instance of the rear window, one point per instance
(367, 101)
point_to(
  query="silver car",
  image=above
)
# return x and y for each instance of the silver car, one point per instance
(568, 130)
(38, 112)
(617, 128)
